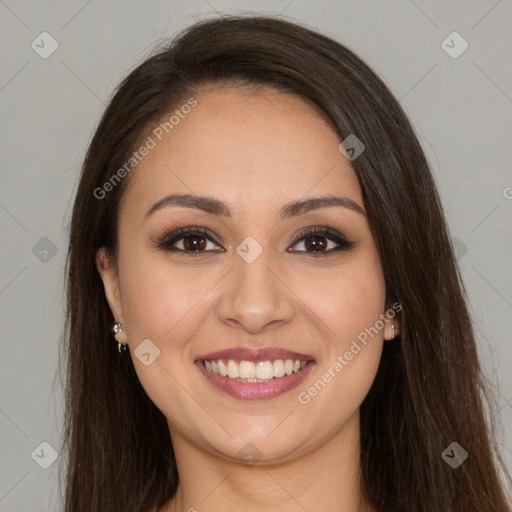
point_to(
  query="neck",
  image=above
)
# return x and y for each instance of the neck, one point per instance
(327, 477)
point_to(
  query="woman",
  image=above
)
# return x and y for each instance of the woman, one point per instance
(264, 309)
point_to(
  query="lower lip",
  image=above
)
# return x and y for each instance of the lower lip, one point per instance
(255, 390)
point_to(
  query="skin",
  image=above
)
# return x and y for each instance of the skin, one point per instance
(256, 151)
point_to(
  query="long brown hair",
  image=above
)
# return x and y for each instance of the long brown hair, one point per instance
(429, 390)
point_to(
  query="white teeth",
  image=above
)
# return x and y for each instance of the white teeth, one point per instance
(223, 369)
(279, 368)
(264, 370)
(248, 371)
(233, 372)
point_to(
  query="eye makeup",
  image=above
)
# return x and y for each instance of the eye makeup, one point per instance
(195, 239)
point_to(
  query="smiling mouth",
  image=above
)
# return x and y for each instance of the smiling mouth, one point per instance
(254, 371)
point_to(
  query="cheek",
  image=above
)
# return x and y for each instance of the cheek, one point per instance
(163, 304)
(348, 299)
(158, 298)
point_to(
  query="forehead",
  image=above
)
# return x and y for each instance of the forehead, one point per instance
(249, 148)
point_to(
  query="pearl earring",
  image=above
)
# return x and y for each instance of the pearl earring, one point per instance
(116, 328)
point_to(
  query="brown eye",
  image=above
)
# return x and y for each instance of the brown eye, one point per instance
(323, 241)
(194, 242)
(316, 243)
(190, 240)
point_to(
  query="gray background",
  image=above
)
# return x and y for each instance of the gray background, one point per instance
(461, 109)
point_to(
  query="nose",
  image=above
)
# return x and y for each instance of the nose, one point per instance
(256, 298)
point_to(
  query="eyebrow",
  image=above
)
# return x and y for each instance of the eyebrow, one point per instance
(216, 207)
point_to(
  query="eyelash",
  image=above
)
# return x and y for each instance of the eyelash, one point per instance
(166, 243)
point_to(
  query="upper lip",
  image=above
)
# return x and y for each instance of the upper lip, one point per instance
(255, 354)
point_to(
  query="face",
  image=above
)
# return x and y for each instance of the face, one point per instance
(258, 278)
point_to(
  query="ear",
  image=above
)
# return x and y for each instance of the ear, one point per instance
(108, 272)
